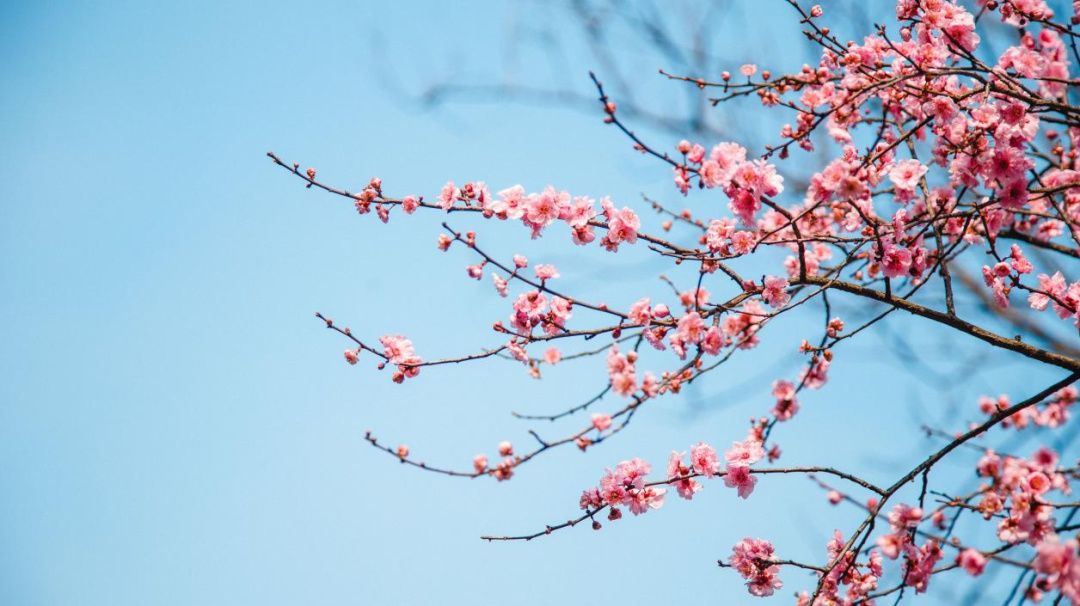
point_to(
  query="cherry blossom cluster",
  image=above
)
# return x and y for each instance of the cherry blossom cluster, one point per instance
(625, 486)
(945, 160)
(539, 210)
(1052, 414)
(753, 559)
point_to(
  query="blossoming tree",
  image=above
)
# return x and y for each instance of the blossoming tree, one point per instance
(942, 154)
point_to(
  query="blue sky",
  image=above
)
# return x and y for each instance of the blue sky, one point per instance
(176, 428)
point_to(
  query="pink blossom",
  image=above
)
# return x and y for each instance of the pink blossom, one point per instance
(351, 356)
(622, 226)
(704, 459)
(581, 212)
(896, 261)
(621, 372)
(745, 204)
(689, 331)
(447, 196)
(552, 355)
(739, 477)
(546, 272)
(906, 174)
(500, 284)
(713, 341)
(625, 485)
(561, 311)
(1060, 563)
(601, 421)
(640, 313)
(745, 453)
(649, 385)
(480, 463)
(903, 517)
(972, 561)
(742, 242)
(544, 208)
(529, 309)
(921, 563)
(693, 299)
(696, 154)
(399, 350)
(719, 233)
(677, 474)
(682, 180)
(786, 403)
(1053, 289)
(645, 499)
(1038, 483)
(511, 203)
(728, 156)
(517, 351)
(775, 291)
(590, 499)
(504, 470)
(364, 200)
(1019, 262)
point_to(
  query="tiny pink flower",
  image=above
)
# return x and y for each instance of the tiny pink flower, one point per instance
(500, 284)
(546, 272)
(972, 561)
(640, 313)
(685, 486)
(601, 421)
(447, 196)
(480, 463)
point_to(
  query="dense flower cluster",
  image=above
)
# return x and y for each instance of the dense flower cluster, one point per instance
(753, 559)
(624, 486)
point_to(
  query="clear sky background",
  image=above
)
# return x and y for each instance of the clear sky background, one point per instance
(177, 428)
